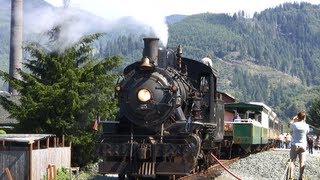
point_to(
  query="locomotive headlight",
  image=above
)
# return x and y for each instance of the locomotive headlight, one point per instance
(144, 95)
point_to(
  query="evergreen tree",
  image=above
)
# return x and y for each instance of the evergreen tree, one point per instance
(62, 92)
(313, 117)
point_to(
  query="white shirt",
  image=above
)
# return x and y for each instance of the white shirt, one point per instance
(299, 133)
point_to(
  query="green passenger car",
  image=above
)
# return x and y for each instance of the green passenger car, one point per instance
(246, 133)
(248, 126)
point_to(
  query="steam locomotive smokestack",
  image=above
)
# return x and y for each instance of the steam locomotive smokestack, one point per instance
(150, 49)
(16, 41)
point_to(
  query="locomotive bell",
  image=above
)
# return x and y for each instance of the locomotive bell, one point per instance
(145, 64)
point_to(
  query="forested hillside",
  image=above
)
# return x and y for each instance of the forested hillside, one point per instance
(273, 57)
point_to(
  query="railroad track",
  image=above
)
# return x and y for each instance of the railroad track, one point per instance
(211, 171)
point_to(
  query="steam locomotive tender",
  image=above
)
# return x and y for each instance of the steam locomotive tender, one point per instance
(170, 117)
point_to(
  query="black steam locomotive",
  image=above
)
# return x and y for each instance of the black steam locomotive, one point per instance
(170, 119)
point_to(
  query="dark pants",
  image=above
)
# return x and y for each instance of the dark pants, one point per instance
(310, 149)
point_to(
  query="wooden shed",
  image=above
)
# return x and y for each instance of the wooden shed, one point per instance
(27, 156)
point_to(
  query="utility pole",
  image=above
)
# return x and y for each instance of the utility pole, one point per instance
(16, 41)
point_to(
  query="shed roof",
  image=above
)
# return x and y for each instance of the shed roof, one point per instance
(27, 138)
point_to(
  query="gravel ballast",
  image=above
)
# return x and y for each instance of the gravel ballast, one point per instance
(271, 165)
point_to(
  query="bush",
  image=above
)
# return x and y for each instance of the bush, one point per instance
(2, 131)
(63, 174)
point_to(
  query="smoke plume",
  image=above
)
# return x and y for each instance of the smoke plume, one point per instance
(75, 23)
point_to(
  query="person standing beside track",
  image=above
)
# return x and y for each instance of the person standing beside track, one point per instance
(300, 129)
(281, 139)
(288, 141)
(310, 144)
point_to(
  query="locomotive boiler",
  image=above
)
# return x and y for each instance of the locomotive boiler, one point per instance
(170, 117)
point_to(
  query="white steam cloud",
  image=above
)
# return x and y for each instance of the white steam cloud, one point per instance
(75, 23)
(158, 27)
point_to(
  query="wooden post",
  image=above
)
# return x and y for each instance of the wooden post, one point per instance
(8, 173)
(30, 161)
(70, 152)
(55, 141)
(54, 172)
(62, 140)
(49, 176)
(48, 142)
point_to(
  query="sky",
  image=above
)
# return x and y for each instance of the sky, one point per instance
(113, 9)
(151, 13)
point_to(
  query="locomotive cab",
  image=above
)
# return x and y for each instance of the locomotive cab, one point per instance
(211, 105)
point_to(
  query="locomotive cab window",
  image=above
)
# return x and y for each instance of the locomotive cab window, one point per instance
(204, 84)
(205, 88)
